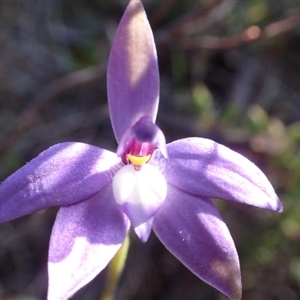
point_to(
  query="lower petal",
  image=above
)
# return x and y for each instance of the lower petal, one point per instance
(84, 239)
(140, 194)
(192, 230)
(143, 230)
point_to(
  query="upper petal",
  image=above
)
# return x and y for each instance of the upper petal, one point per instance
(204, 167)
(132, 76)
(192, 230)
(84, 238)
(64, 174)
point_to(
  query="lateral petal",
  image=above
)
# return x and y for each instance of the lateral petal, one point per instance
(206, 168)
(64, 174)
(191, 228)
(84, 238)
(132, 76)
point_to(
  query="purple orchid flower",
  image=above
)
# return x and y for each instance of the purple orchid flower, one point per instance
(102, 194)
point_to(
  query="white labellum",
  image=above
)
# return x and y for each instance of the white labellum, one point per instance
(146, 187)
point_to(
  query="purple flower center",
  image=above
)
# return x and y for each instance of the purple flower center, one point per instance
(140, 142)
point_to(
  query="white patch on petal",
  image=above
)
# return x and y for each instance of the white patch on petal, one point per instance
(64, 276)
(146, 187)
(143, 231)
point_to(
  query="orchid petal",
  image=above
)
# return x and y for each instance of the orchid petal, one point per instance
(143, 230)
(132, 76)
(191, 228)
(84, 238)
(140, 194)
(64, 174)
(206, 168)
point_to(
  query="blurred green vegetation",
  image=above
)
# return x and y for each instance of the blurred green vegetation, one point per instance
(217, 82)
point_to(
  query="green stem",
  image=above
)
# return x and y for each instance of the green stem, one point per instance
(115, 269)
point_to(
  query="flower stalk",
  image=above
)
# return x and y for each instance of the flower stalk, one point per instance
(115, 269)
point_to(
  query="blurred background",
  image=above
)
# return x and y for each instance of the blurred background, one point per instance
(230, 71)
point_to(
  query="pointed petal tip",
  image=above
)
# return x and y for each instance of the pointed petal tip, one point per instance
(143, 231)
(280, 207)
(273, 203)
